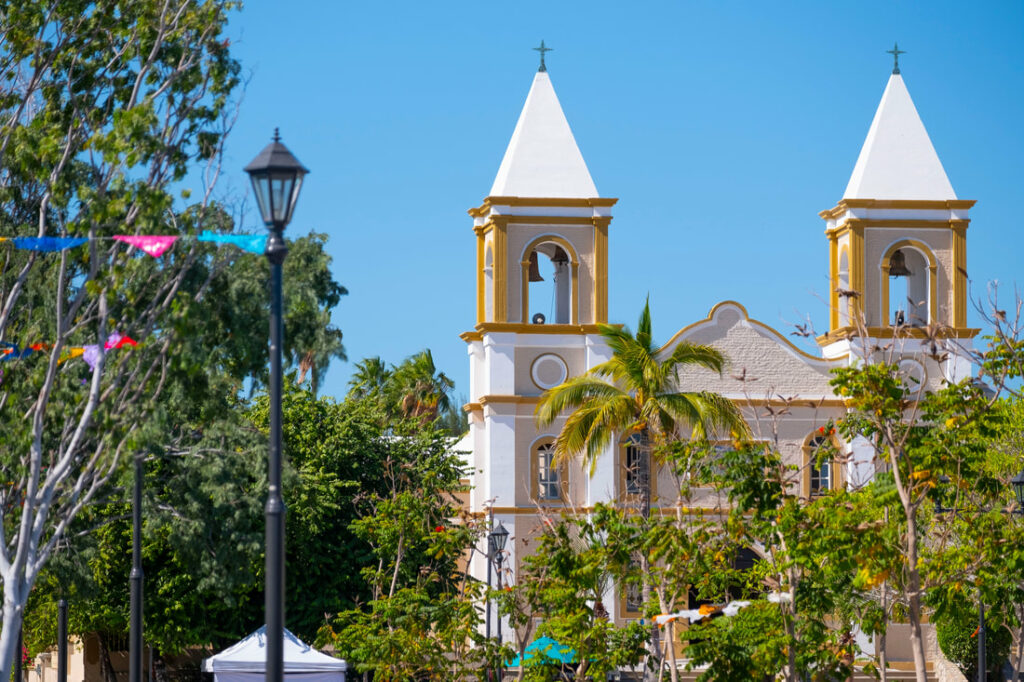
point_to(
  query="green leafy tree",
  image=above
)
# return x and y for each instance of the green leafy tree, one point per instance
(104, 107)
(637, 390)
(422, 620)
(563, 582)
(205, 469)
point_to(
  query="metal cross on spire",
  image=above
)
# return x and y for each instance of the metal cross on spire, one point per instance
(542, 50)
(896, 52)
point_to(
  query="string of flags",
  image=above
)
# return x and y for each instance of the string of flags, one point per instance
(90, 354)
(153, 244)
(712, 610)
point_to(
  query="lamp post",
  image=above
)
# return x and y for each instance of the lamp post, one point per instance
(276, 180)
(135, 579)
(62, 641)
(496, 540)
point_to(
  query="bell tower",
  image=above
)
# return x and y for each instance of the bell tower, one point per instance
(898, 242)
(541, 281)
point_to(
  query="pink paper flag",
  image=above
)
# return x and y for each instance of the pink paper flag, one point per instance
(154, 245)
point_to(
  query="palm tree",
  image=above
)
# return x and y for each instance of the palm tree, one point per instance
(371, 375)
(637, 391)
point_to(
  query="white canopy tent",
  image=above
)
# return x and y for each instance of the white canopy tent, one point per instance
(246, 661)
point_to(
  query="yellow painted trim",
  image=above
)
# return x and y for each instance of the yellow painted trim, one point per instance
(742, 402)
(509, 399)
(959, 277)
(746, 316)
(933, 272)
(845, 204)
(481, 248)
(470, 337)
(833, 278)
(857, 273)
(794, 404)
(844, 301)
(472, 407)
(893, 223)
(552, 220)
(838, 480)
(600, 312)
(484, 208)
(574, 295)
(527, 328)
(663, 511)
(524, 290)
(888, 332)
(500, 275)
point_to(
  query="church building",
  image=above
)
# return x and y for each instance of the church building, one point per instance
(896, 245)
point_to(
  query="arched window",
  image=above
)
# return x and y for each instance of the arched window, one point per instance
(820, 476)
(548, 278)
(489, 285)
(844, 285)
(550, 480)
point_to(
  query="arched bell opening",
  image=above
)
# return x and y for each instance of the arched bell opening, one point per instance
(548, 272)
(908, 272)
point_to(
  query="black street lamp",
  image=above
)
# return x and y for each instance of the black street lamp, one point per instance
(276, 180)
(1018, 490)
(62, 641)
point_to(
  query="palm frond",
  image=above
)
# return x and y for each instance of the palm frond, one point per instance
(686, 354)
(573, 394)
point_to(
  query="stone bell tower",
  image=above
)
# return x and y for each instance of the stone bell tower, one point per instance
(898, 243)
(542, 287)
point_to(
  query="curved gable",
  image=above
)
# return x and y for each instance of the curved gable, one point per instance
(771, 364)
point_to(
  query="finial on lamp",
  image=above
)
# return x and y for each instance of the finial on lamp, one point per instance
(543, 68)
(896, 52)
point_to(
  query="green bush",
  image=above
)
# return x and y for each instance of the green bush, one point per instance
(959, 642)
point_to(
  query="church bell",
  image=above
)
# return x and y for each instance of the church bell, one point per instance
(560, 257)
(534, 268)
(898, 265)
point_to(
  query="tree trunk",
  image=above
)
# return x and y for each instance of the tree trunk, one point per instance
(13, 610)
(106, 667)
(914, 598)
(883, 659)
(670, 633)
(160, 669)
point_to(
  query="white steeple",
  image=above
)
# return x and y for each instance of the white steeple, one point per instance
(542, 159)
(898, 160)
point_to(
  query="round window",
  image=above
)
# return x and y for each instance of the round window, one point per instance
(548, 371)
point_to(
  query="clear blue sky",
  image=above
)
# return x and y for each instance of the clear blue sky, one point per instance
(722, 127)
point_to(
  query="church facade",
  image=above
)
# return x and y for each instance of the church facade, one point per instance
(897, 260)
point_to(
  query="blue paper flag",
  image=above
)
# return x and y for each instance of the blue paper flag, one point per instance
(253, 243)
(48, 243)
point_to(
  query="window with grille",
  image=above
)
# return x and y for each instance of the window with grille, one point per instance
(820, 476)
(549, 484)
(633, 465)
